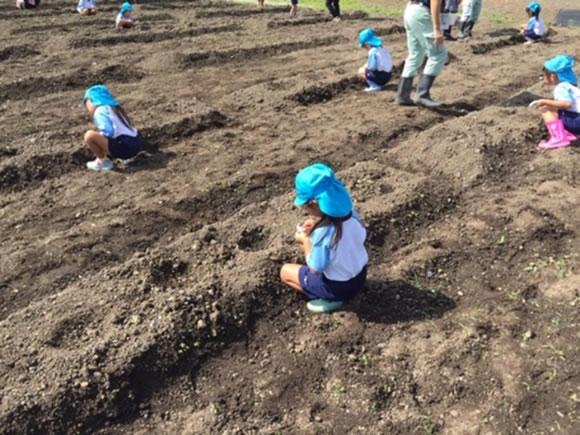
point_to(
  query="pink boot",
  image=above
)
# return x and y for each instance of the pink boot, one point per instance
(560, 137)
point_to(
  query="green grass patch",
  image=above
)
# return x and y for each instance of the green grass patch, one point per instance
(372, 7)
(501, 18)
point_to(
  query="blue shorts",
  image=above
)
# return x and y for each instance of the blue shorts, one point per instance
(381, 78)
(571, 120)
(124, 147)
(294, 2)
(319, 287)
(530, 34)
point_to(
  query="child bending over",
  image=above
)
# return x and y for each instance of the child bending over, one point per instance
(561, 114)
(378, 69)
(115, 135)
(332, 240)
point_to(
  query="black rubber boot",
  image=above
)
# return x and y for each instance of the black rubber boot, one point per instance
(423, 97)
(448, 35)
(461, 34)
(469, 28)
(404, 92)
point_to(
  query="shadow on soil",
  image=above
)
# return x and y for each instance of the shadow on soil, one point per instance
(397, 301)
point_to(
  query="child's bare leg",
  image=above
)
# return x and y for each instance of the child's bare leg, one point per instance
(98, 144)
(550, 115)
(289, 274)
(84, 12)
(362, 71)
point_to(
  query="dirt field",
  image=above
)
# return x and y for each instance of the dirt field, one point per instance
(147, 300)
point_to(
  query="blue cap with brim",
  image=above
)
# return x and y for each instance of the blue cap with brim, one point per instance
(100, 96)
(126, 7)
(318, 182)
(367, 36)
(562, 66)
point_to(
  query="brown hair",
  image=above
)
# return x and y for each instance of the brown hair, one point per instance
(336, 222)
(122, 116)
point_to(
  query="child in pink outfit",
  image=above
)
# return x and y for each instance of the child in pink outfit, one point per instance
(562, 114)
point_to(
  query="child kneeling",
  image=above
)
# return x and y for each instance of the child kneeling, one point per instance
(333, 242)
(378, 69)
(115, 135)
(561, 114)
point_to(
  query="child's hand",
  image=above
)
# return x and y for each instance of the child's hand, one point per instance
(308, 225)
(300, 237)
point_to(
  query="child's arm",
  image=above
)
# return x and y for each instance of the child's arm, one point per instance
(104, 123)
(553, 104)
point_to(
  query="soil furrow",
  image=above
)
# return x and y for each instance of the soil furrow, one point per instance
(152, 37)
(206, 58)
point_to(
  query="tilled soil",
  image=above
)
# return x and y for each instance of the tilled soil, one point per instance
(147, 299)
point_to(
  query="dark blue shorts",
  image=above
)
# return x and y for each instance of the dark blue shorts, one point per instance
(571, 120)
(319, 287)
(381, 78)
(124, 147)
(530, 34)
(294, 2)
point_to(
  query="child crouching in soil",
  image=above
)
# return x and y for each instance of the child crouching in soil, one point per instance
(333, 242)
(378, 69)
(535, 29)
(561, 114)
(115, 135)
(87, 7)
(124, 20)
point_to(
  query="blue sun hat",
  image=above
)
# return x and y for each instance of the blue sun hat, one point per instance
(126, 7)
(100, 96)
(562, 66)
(367, 36)
(318, 182)
(534, 8)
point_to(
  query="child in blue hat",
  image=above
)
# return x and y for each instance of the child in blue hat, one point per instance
(124, 20)
(115, 135)
(87, 7)
(561, 114)
(535, 29)
(333, 242)
(378, 69)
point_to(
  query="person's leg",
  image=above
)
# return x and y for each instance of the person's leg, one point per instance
(98, 144)
(415, 57)
(362, 71)
(330, 7)
(337, 7)
(559, 137)
(290, 275)
(436, 58)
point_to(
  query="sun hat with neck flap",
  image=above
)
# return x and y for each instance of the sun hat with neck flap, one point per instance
(126, 7)
(99, 95)
(367, 36)
(318, 182)
(562, 66)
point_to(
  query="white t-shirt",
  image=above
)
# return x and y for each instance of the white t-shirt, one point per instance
(568, 92)
(345, 260)
(380, 59)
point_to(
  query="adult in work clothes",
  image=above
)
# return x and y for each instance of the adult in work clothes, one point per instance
(424, 38)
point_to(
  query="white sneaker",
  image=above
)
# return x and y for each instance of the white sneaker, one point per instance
(336, 19)
(100, 165)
